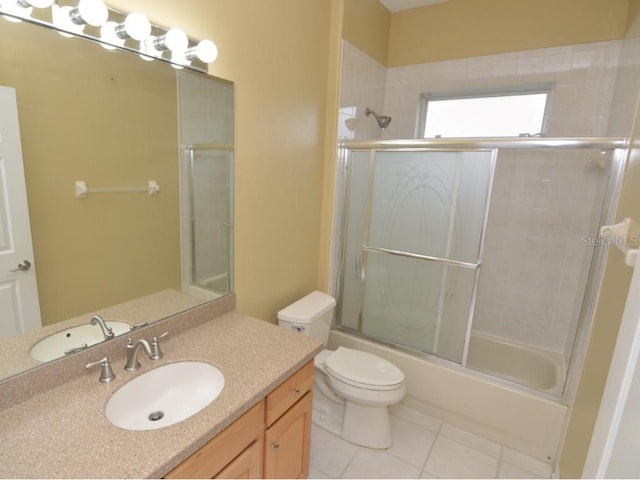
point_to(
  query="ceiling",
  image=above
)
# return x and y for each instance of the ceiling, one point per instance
(399, 5)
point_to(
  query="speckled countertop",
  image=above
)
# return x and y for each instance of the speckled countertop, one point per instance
(63, 433)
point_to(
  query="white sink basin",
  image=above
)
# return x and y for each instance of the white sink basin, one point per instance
(55, 346)
(164, 396)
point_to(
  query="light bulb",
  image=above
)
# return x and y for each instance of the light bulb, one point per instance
(206, 51)
(109, 36)
(135, 26)
(62, 20)
(92, 12)
(13, 7)
(174, 40)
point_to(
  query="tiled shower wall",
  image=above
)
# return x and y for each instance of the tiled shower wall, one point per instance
(594, 95)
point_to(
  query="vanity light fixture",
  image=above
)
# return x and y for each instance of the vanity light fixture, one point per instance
(135, 26)
(90, 19)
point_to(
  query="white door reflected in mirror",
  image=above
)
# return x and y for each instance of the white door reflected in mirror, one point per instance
(19, 307)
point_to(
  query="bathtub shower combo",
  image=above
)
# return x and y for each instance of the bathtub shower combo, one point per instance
(478, 255)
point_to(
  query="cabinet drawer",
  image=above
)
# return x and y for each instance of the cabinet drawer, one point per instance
(224, 447)
(289, 392)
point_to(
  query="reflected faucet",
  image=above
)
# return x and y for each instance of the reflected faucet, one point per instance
(106, 330)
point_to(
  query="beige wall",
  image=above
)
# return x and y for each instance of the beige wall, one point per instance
(277, 53)
(88, 114)
(469, 28)
(366, 25)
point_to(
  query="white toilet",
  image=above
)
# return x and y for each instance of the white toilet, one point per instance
(357, 384)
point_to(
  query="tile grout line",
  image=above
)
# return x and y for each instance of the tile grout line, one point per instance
(435, 439)
(500, 460)
(350, 461)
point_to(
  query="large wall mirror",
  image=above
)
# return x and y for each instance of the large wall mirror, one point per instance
(115, 122)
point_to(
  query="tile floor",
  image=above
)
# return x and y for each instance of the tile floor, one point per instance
(424, 447)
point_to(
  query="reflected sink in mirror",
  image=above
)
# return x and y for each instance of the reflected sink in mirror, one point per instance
(164, 396)
(74, 338)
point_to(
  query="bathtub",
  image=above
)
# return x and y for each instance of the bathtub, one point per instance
(535, 368)
(521, 420)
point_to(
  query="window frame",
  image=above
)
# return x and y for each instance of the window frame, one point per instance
(508, 91)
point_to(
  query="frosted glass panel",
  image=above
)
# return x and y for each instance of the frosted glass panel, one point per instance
(402, 299)
(430, 203)
(405, 303)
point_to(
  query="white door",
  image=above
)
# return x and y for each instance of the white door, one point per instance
(615, 444)
(19, 307)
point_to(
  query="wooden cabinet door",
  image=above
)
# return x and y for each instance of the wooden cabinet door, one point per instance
(216, 455)
(246, 465)
(286, 447)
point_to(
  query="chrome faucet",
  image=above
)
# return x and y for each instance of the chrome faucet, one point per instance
(106, 330)
(132, 354)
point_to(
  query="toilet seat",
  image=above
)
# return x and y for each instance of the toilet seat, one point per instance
(363, 370)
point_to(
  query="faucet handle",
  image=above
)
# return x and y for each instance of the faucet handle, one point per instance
(106, 372)
(156, 353)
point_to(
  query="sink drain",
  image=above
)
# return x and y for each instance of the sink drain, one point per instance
(155, 416)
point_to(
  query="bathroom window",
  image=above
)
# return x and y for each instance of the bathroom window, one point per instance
(503, 113)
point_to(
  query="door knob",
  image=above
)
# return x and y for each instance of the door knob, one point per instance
(23, 266)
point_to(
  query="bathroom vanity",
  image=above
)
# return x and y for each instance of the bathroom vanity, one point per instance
(271, 440)
(259, 425)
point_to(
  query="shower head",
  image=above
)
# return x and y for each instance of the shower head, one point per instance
(383, 120)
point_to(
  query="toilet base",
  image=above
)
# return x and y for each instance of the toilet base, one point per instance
(367, 426)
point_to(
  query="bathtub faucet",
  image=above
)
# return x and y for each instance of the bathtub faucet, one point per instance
(106, 330)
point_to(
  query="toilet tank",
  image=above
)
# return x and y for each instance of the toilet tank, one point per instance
(310, 315)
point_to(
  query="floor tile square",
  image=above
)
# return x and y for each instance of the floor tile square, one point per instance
(329, 453)
(471, 440)
(526, 462)
(419, 418)
(507, 470)
(450, 459)
(411, 443)
(378, 464)
(315, 473)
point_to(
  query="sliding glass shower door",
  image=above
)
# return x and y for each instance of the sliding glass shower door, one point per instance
(413, 242)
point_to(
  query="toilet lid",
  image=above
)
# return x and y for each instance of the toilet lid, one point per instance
(363, 368)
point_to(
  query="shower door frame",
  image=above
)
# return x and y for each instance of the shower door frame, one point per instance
(187, 207)
(619, 147)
